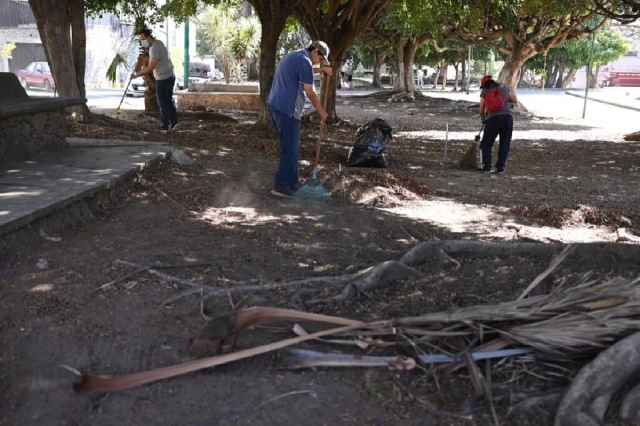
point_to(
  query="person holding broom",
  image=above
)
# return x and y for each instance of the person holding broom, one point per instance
(292, 80)
(495, 113)
(162, 68)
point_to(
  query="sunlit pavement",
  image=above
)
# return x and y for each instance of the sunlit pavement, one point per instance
(553, 103)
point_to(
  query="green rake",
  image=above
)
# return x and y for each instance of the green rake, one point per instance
(313, 190)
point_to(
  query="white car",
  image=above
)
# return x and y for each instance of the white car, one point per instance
(136, 87)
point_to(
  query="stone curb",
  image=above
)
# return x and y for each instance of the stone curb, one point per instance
(605, 102)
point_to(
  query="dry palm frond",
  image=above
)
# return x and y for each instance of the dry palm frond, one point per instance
(584, 318)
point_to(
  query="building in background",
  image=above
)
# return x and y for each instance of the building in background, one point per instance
(105, 36)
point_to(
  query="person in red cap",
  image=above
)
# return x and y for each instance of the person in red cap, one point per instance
(495, 112)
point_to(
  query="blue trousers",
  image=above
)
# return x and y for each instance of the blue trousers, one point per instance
(288, 130)
(497, 125)
(164, 93)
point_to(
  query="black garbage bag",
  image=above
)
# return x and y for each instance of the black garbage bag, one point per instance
(371, 140)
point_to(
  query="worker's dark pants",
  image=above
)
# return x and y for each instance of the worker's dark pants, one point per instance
(501, 125)
(164, 93)
(288, 129)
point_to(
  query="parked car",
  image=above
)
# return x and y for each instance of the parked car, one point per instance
(196, 75)
(37, 74)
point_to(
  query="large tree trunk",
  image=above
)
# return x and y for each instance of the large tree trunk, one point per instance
(510, 74)
(409, 54)
(79, 42)
(268, 46)
(398, 50)
(62, 31)
(560, 75)
(569, 78)
(552, 76)
(455, 84)
(436, 76)
(594, 80)
(337, 23)
(464, 75)
(521, 78)
(377, 59)
(445, 71)
(150, 98)
(328, 86)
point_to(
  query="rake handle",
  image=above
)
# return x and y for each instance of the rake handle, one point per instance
(123, 95)
(321, 133)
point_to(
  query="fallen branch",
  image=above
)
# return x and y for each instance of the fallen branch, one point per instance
(552, 267)
(122, 278)
(294, 359)
(143, 268)
(284, 395)
(223, 327)
(164, 276)
(116, 383)
(381, 274)
(242, 287)
(430, 249)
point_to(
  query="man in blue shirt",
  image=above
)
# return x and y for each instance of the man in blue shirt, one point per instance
(292, 80)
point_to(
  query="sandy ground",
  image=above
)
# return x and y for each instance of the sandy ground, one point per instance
(565, 182)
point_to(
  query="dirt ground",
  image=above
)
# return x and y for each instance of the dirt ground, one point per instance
(568, 191)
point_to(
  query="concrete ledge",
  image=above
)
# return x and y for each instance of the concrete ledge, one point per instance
(27, 135)
(15, 107)
(602, 101)
(33, 190)
(223, 88)
(226, 101)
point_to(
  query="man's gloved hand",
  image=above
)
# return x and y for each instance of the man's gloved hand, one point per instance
(484, 120)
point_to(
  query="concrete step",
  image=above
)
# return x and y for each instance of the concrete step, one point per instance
(32, 190)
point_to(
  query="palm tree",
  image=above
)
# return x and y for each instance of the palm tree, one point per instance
(233, 39)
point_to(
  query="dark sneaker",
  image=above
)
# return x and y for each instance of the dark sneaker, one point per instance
(499, 172)
(283, 193)
(173, 126)
(485, 170)
(163, 128)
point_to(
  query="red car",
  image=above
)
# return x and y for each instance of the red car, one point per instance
(37, 74)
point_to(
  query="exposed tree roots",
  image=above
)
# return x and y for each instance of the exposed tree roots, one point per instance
(587, 400)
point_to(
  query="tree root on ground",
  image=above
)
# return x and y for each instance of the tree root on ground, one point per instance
(383, 273)
(367, 280)
(587, 400)
(632, 137)
(430, 249)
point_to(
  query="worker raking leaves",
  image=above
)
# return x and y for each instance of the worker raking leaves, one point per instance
(495, 113)
(294, 79)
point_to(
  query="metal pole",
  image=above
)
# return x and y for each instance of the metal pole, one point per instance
(586, 89)
(186, 54)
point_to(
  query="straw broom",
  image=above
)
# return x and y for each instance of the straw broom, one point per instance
(469, 160)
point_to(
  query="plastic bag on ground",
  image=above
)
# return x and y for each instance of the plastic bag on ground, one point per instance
(371, 141)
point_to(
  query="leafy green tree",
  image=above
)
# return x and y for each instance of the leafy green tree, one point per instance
(233, 38)
(338, 23)
(625, 11)
(520, 29)
(372, 52)
(572, 55)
